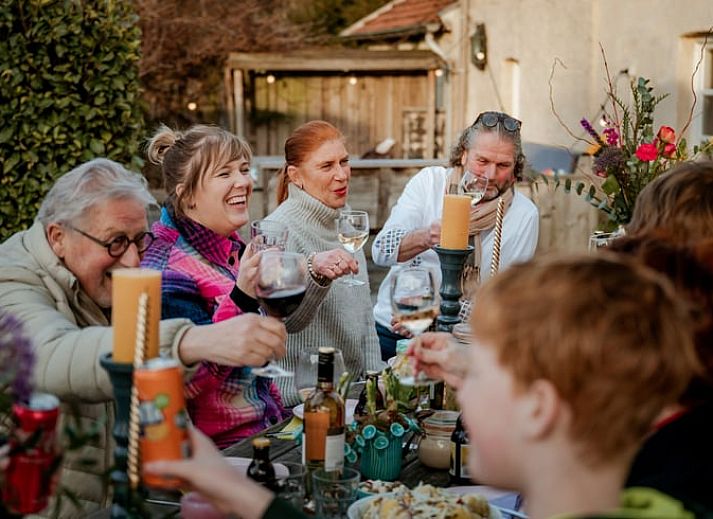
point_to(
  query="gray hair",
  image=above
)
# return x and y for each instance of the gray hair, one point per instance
(467, 138)
(75, 193)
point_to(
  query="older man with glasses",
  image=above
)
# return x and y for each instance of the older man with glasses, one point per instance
(56, 277)
(488, 152)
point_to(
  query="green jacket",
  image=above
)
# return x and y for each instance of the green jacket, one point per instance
(643, 503)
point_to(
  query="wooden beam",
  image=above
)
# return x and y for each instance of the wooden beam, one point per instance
(340, 60)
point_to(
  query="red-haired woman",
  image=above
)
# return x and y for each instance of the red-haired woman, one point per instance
(313, 188)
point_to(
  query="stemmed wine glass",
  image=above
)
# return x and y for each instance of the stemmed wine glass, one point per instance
(473, 186)
(352, 232)
(280, 288)
(414, 303)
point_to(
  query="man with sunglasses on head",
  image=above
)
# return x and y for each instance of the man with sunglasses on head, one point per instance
(488, 150)
(56, 277)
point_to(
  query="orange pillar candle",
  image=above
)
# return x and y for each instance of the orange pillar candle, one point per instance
(127, 286)
(454, 224)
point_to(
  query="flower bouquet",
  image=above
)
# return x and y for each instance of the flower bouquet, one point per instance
(628, 154)
(376, 436)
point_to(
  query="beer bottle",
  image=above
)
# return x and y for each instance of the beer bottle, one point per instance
(260, 468)
(459, 455)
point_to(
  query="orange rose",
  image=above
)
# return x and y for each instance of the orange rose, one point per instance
(666, 134)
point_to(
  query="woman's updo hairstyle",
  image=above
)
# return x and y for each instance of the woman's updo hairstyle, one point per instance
(303, 141)
(187, 157)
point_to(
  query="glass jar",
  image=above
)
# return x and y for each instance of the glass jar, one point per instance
(434, 449)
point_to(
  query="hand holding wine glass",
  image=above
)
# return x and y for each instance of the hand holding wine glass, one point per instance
(280, 287)
(352, 232)
(473, 186)
(414, 303)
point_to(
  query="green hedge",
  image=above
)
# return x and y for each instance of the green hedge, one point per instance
(69, 92)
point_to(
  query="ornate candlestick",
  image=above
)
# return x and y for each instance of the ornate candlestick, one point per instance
(452, 262)
(121, 375)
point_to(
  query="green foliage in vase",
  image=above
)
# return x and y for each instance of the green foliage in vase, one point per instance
(69, 92)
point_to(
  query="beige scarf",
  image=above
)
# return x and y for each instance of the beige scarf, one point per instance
(482, 218)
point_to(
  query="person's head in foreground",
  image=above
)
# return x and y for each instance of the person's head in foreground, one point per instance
(680, 201)
(206, 172)
(94, 218)
(572, 359)
(491, 148)
(316, 161)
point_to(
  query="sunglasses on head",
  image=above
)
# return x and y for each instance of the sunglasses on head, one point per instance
(492, 119)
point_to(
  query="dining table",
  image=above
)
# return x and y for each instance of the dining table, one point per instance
(413, 472)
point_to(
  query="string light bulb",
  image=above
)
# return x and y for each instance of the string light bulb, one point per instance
(192, 106)
(270, 79)
(352, 80)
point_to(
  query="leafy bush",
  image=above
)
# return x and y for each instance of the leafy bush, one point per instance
(69, 92)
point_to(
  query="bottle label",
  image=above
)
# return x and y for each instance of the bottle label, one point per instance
(316, 427)
(458, 467)
(334, 452)
(464, 461)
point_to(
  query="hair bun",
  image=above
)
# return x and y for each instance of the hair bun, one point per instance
(162, 141)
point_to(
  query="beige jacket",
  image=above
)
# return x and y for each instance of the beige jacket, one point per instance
(70, 333)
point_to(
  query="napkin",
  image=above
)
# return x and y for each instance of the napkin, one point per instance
(291, 431)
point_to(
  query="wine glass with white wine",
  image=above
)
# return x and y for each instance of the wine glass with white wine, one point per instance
(414, 303)
(473, 186)
(352, 232)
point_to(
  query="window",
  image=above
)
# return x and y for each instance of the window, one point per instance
(704, 110)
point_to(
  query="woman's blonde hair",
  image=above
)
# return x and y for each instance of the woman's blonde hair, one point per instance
(186, 157)
(304, 140)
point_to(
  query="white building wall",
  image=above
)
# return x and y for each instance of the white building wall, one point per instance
(653, 38)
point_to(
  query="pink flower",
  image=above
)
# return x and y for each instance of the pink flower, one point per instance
(646, 152)
(669, 150)
(612, 136)
(666, 134)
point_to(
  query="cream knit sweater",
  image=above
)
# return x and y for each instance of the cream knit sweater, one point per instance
(345, 318)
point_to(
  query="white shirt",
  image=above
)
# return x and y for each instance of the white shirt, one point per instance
(419, 206)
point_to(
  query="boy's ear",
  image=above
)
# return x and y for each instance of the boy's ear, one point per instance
(541, 410)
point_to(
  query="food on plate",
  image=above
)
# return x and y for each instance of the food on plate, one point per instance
(427, 501)
(376, 486)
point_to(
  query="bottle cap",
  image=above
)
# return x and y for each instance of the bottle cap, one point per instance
(261, 443)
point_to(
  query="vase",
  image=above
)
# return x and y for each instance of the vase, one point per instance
(382, 462)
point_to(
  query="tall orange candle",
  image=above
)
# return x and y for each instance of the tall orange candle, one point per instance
(127, 286)
(454, 223)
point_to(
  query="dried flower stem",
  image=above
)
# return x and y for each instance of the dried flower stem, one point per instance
(610, 95)
(693, 77)
(552, 102)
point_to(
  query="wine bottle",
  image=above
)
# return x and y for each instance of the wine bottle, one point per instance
(324, 419)
(260, 468)
(459, 455)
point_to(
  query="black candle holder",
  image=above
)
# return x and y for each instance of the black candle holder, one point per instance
(121, 376)
(452, 262)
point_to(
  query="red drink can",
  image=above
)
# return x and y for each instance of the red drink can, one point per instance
(34, 455)
(162, 417)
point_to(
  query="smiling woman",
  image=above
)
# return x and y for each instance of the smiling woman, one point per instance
(313, 189)
(206, 266)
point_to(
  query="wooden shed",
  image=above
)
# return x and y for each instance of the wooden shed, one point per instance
(369, 95)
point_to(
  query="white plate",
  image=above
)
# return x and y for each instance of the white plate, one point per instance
(358, 509)
(351, 403)
(241, 464)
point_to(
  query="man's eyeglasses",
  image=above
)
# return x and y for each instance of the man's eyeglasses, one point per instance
(119, 245)
(491, 120)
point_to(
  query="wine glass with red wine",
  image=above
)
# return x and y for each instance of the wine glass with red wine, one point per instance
(279, 288)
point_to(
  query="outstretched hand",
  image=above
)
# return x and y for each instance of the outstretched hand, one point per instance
(208, 473)
(440, 357)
